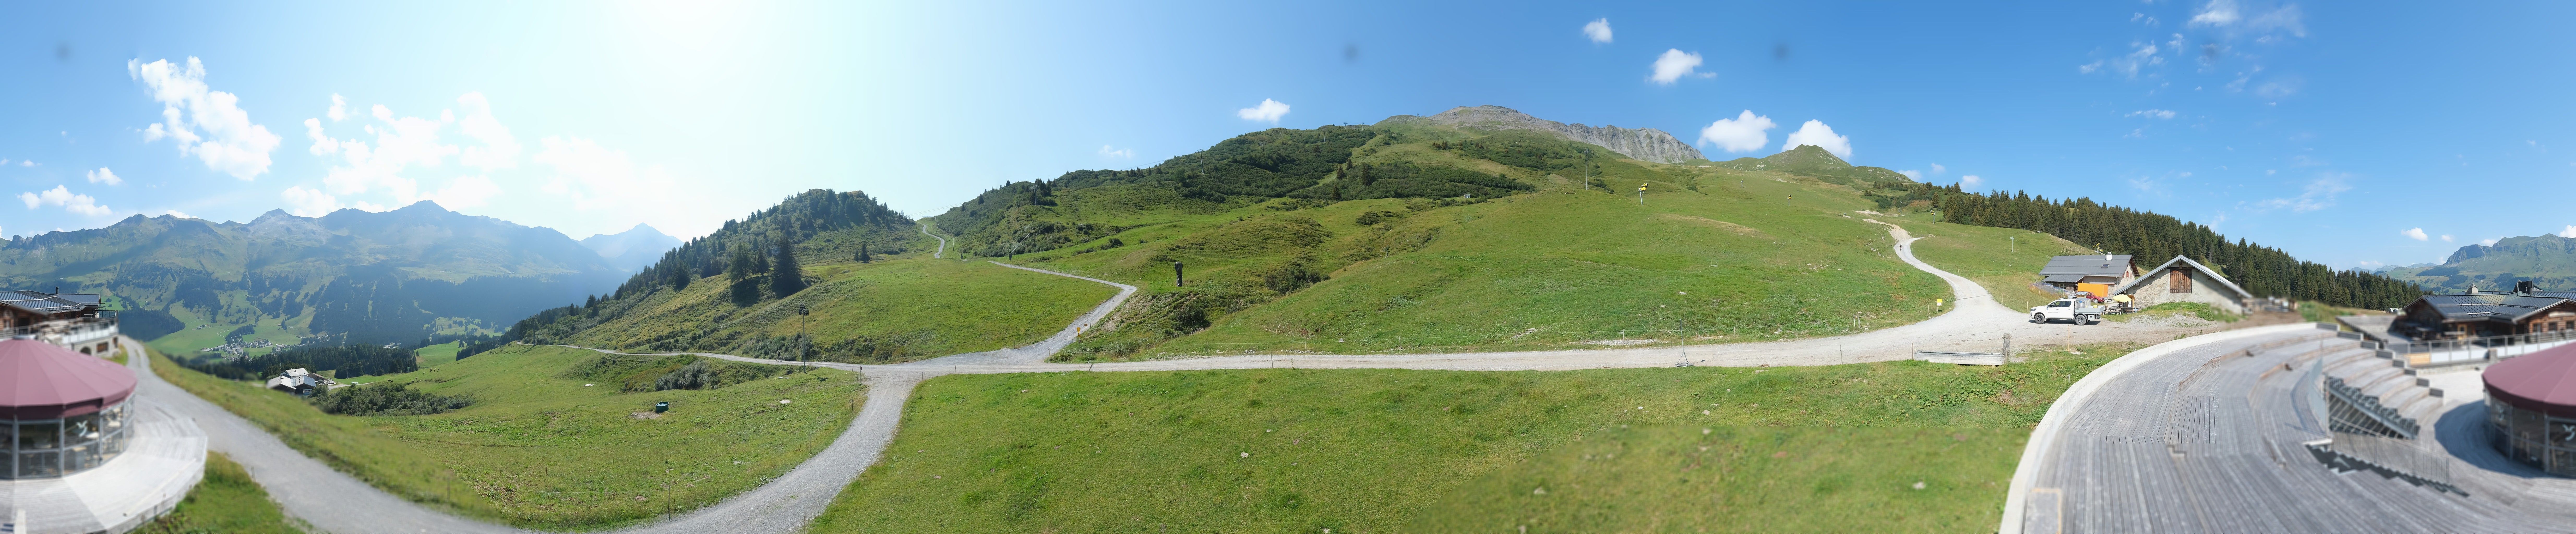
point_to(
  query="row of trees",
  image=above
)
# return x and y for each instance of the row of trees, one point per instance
(2154, 238)
(349, 360)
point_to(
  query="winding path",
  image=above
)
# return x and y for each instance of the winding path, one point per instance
(335, 502)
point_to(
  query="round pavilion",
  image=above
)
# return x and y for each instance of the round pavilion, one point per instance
(2531, 402)
(78, 454)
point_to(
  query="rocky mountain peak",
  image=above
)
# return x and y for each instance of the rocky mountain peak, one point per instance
(1643, 144)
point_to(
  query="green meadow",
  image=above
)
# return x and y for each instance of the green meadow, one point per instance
(2004, 260)
(1880, 447)
(226, 501)
(877, 312)
(555, 441)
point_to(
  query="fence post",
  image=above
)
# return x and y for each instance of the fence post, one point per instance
(2007, 348)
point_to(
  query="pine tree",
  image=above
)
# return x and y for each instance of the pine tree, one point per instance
(680, 276)
(741, 267)
(863, 253)
(785, 278)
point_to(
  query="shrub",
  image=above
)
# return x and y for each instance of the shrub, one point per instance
(391, 398)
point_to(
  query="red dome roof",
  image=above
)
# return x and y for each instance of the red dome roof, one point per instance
(2542, 381)
(41, 381)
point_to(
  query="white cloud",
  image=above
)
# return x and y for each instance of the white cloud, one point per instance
(205, 123)
(1268, 111)
(177, 213)
(2570, 232)
(1970, 183)
(1744, 133)
(2216, 13)
(464, 192)
(1937, 169)
(2153, 113)
(500, 150)
(1107, 152)
(102, 175)
(1816, 133)
(2319, 194)
(1598, 30)
(339, 108)
(26, 163)
(2413, 233)
(2488, 241)
(1675, 64)
(309, 202)
(2446, 238)
(1911, 174)
(63, 196)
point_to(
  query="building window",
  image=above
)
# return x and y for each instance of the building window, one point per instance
(2179, 281)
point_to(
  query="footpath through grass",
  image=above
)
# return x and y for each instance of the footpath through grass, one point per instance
(540, 449)
(1880, 447)
(227, 502)
(2004, 260)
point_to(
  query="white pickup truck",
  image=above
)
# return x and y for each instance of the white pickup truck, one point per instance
(2077, 309)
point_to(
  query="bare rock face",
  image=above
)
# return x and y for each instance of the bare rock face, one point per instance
(1644, 144)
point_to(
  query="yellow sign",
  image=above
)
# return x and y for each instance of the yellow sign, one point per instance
(1641, 187)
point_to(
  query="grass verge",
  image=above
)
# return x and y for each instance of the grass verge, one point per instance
(539, 449)
(1879, 447)
(227, 501)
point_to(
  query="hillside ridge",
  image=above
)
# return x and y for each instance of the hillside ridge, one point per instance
(1642, 144)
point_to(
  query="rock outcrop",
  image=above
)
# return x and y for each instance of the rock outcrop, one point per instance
(1643, 144)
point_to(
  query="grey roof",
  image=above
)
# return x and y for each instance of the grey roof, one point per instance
(2087, 265)
(2508, 307)
(2179, 260)
(47, 303)
(2063, 278)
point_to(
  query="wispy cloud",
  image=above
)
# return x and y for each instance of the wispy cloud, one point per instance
(1120, 153)
(1267, 111)
(2413, 233)
(1598, 30)
(1971, 183)
(2153, 113)
(1675, 64)
(2319, 194)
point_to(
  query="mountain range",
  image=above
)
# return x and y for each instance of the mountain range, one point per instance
(2546, 259)
(633, 249)
(1643, 144)
(398, 275)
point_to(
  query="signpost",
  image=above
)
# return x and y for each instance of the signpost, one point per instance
(1641, 195)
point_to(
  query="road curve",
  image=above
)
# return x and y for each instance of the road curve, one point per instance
(943, 242)
(336, 502)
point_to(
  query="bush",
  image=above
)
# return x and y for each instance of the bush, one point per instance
(391, 398)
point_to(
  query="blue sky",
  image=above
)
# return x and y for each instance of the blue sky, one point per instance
(2356, 134)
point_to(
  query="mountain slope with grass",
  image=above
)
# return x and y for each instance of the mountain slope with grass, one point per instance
(1419, 235)
(790, 282)
(361, 276)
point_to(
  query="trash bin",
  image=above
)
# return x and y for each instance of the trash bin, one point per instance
(660, 407)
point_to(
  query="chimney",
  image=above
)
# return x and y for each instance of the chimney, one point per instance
(2524, 287)
(2106, 256)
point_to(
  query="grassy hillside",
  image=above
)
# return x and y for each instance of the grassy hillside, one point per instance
(1714, 253)
(543, 447)
(2004, 260)
(1882, 447)
(226, 501)
(876, 312)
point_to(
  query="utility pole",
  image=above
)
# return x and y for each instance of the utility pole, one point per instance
(804, 344)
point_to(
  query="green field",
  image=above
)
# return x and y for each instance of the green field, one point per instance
(875, 312)
(193, 339)
(1804, 449)
(227, 502)
(1714, 255)
(2004, 260)
(540, 449)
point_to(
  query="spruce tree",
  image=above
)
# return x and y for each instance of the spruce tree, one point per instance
(863, 253)
(741, 267)
(785, 278)
(680, 276)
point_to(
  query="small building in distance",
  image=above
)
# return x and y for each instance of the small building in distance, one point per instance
(299, 381)
(68, 320)
(2183, 280)
(2090, 273)
(2527, 310)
